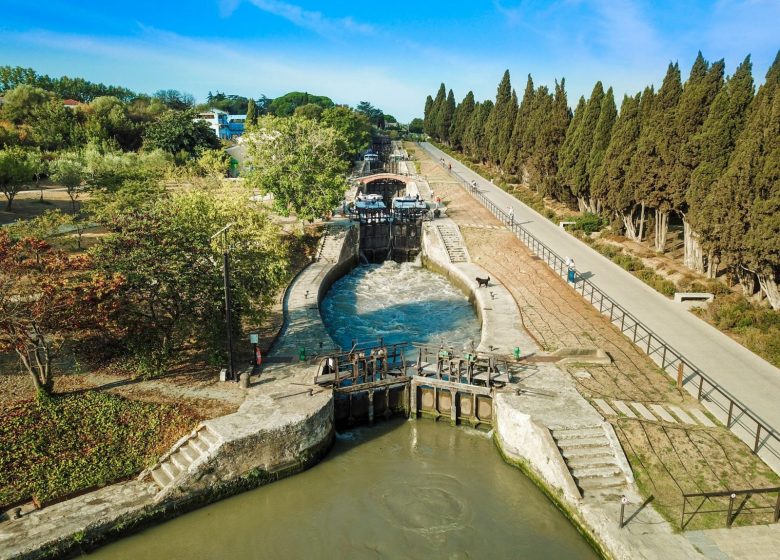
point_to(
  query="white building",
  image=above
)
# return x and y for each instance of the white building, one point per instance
(224, 125)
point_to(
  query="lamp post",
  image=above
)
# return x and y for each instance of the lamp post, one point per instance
(226, 278)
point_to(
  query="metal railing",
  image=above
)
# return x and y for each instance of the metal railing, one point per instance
(732, 496)
(670, 360)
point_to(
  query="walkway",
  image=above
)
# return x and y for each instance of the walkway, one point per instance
(748, 377)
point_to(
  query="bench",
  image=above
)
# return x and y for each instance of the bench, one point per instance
(564, 224)
(680, 297)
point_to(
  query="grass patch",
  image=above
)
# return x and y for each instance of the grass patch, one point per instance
(752, 325)
(50, 449)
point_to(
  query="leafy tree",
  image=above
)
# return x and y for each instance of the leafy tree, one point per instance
(300, 162)
(68, 171)
(20, 102)
(233, 104)
(172, 270)
(54, 127)
(374, 114)
(46, 299)
(309, 111)
(107, 119)
(353, 127)
(15, 170)
(175, 99)
(285, 105)
(176, 132)
(214, 162)
(417, 125)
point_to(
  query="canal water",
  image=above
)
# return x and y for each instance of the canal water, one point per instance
(399, 302)
(416, 490)
(400, 489)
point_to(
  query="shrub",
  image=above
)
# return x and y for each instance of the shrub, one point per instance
(589, 222)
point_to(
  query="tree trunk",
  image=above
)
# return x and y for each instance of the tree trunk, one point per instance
(769, 286)
(642, 223)
(661, 229)
(693, 256)
(629, 224)
(712, 264)
(747, 281)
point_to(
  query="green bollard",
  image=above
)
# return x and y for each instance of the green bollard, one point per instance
(517, 352)
(302, 353)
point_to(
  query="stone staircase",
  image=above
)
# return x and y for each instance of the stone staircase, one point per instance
(591, 460)
(330, 245)
(453, 243)
(190, 450)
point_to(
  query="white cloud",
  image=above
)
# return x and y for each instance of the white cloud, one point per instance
(311, 20)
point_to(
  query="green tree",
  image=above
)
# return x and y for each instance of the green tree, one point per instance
(709, 204)
(548, 123)
(54, 127)
(444, 118)
(520, 151)
(300, 163)
(20, 103)
(645, 161)
(461, 120)
(68, 171)
(177, 131)
(15, 171)
(354, 129)
(214, 162)
(610, 183)
(417, 126)
(175, 99)
(309, 111)
(428, 114)
(601, 137)
(251, 113)
(107, 119)
(435, 119)
(475, 138)
(501, 120)
(285, 105)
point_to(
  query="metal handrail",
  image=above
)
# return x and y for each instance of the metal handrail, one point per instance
(732, 495)
(588, 289)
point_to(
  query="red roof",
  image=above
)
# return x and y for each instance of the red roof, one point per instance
(71, 102)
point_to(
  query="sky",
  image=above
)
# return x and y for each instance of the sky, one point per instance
(390, 54)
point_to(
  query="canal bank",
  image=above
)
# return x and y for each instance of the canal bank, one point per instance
(286, 425)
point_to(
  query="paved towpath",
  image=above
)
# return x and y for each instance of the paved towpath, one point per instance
(746, 376)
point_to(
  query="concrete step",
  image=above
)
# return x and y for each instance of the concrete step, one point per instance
(578, 432)
(199, 446)
(595, 471)
(170, 469)
(180, 460)
(593, 452)
(584, 461)
(189, 452)
(160, 477)
(599, 441)
(599, 482)
(207, 437)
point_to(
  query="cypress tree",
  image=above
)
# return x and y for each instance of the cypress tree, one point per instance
(566, 155)
(504, 142)
(550, 120)
(460, 122)
(515, 157)
(643, 170)
(475, 132)
(251, 113)
(444, 118)
(714, 144)
(438, 103)
(659, 149)
(610, 183)
(428, 115)
(497, 123)
(601, 138)
(751, 232)
(576, 175)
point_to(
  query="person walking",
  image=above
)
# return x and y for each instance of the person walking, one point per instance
(572, 271)
(511, 213)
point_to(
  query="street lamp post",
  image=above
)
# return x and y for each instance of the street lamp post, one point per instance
(226, 278)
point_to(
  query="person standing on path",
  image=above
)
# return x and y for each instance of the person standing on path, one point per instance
(511, 213)
(571, 270)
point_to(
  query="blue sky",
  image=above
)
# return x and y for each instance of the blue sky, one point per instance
(392, 54)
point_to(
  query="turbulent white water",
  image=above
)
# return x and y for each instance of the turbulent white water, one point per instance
(399, 302)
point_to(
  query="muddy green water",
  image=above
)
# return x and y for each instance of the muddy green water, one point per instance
(401, 489)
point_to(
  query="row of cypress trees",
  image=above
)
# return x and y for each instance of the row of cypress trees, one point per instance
(706, 151)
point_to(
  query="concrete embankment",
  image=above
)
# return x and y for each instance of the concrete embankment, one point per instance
(284, 426)
(547, 429)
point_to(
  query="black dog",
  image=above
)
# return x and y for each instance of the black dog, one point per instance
(483, 282)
